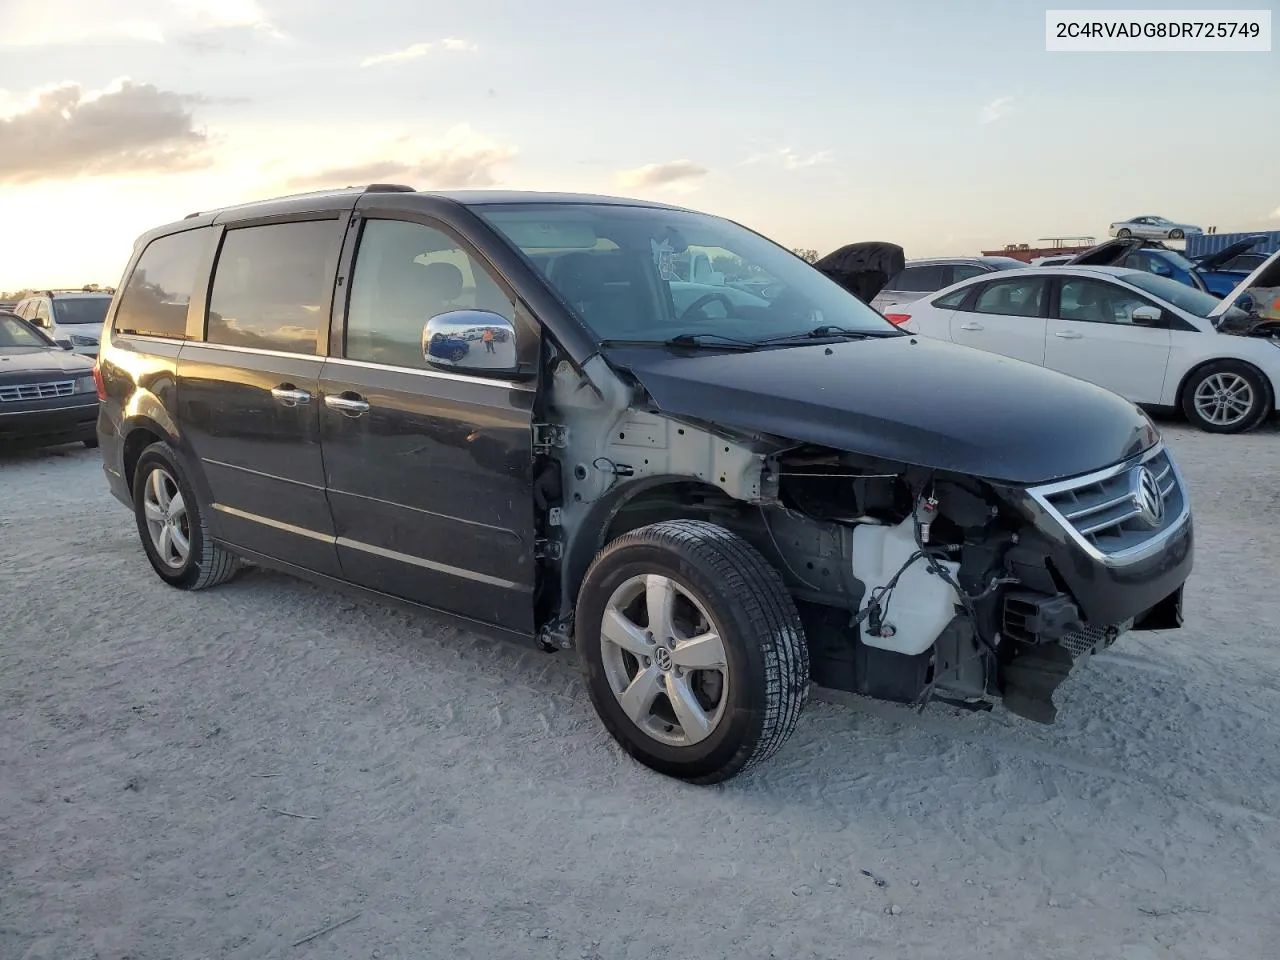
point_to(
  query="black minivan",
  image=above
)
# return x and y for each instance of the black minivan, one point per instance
(531, 413)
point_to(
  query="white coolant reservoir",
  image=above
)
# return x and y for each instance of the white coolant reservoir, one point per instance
(921, 603)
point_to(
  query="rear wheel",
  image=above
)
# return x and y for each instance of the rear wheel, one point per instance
(171, 525)
(1227, 396)
(691, 649)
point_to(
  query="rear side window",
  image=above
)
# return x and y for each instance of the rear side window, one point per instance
(154, 301)
(1023, 297)
(920, 279)
(273, 286)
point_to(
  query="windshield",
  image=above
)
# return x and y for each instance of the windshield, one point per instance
(14, 334)
(648, 275)
(1195, 302)
(81, 310)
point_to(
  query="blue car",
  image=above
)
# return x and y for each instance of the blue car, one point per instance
(445, 347)
(1208, 274)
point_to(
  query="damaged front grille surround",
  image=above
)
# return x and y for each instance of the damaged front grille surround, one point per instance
(1122, 513)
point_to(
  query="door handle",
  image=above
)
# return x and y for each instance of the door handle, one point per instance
(1068, 335)
(351, 405)
(289, 395)
(972, 326)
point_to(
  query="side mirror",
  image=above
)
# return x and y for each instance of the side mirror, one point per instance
(1146, 316)
(472, 340)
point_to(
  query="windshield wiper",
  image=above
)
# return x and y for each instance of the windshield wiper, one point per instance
(702, 341)
(829, 332)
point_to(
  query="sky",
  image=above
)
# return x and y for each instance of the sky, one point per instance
(945, 127)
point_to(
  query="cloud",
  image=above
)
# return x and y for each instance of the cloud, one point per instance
(64, 132)
(463, 158)
(788, 159)
(997, 108)
(38, 23)
(416, 50)
(675, 174)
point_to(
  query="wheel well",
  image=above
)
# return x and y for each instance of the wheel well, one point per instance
(638, 504)
(1190, 375)
(137, 441)
(673, 500)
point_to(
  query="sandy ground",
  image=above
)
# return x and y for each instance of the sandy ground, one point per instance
(223, 774)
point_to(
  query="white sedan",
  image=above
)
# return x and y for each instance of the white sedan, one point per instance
(1149, 227)
(1154, 341)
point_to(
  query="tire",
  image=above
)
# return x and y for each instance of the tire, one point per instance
(1234, 376)
(205, 564)
(1176, 235)
(764, 680)
(1124, 233)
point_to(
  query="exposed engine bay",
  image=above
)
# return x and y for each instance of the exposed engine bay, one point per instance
(912, 584)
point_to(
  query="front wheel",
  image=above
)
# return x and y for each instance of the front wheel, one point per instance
(691, 649)
(1124, 233)
(171, 525)
(1176, 235)
(1226, 396)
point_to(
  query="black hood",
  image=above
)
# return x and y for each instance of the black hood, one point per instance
(863, 268)
(1210, 262)
(22, 363)
(910, 399)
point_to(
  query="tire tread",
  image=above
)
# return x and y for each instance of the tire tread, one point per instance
(748, 578)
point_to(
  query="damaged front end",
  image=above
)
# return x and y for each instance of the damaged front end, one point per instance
(915, 584)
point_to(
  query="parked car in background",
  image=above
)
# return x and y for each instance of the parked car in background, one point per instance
(47, 394)
(1154, 257)
(73, 319)
(1148, 227)
(1154, 341)
(711, 503)
(922, 277)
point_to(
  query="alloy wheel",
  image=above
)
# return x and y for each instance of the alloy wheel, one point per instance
(1224, 399)
(665, 660)
(167, 520)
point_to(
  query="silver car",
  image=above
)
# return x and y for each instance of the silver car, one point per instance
(1151, 227)
(919, 278)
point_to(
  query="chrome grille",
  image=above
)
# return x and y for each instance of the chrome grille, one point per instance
(1103, 511)
(36, 391)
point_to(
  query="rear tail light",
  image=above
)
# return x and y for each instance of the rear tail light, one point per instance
(897, 319)
(97, 380)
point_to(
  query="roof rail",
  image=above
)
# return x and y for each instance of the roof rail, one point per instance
(370, 188)
(84, 289)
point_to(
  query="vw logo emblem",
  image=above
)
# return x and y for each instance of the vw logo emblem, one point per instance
(662, 657)
(1147, 497)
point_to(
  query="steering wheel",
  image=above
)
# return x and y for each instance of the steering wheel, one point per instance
(703, 301)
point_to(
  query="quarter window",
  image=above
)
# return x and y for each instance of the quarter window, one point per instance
(953, 299)
(1095, 301)
(272, 289)
(405, 274)
(154, 301)
(1023, 297)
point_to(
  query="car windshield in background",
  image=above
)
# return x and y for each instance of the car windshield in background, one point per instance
(16, 335)
(649, 274)
(1186, 298)
(81, 310)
